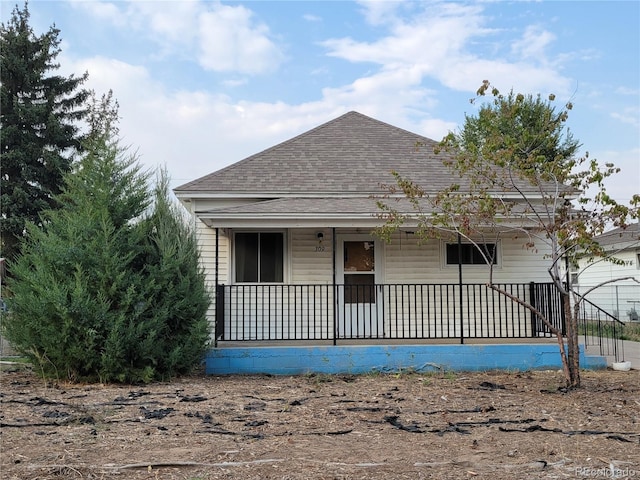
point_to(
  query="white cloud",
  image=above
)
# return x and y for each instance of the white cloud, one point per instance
(378, 12)
(128, 82)
(235, 82)
(221, 38)
(104, 11)
(423, 43)
(388, 95)
(467, 75)
(628, 116)
(436, 129)
(196, 132)
(173, 26)
(628, 91)
(192, 132)
(438, 43)
(625, 184)
(533, 44)
(231, 41)
(311, 18)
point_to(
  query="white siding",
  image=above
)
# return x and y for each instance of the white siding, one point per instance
(409, 262)
(433, 311)
(619, 298)
(278, 312)
(601, 271)
(300, 309)
(207, 244)
(311, 260)
(296, 310)
(430, 310)
(437, 305)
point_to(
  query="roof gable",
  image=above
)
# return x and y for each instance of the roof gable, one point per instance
(350, 154)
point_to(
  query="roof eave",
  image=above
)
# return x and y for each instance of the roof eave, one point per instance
(323, 220)
(284, 221)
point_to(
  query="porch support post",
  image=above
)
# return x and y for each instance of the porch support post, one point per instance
(567, 266)
(534, 301)
(217, 296)
(217, 271)
(460, 288)
(335, 288)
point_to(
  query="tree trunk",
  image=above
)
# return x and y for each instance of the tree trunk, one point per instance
(573, 347)
(569, 353)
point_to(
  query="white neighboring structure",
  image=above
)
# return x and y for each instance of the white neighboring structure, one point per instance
(621, 299)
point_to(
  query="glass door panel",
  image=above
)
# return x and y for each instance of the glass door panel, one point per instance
(359, 257)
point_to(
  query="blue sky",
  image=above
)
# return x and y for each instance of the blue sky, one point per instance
(203, 84)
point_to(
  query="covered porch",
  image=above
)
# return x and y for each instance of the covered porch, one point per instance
(345, 308)
(297, 280)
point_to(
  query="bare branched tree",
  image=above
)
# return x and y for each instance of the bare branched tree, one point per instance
(517, 175)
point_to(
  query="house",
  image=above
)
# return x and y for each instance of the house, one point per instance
(286, 240)
(622, 298)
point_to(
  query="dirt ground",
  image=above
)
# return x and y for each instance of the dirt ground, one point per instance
(444, 426)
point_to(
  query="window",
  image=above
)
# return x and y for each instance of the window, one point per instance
(471, 254)
(574, 271)
(359, 284)
(259, 257)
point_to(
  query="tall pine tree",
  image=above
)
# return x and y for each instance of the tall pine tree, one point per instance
(110, 286)
(39, 129)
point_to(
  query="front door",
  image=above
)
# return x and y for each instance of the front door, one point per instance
(359, 290)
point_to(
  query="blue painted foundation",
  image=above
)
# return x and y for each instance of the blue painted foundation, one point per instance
(296, 360)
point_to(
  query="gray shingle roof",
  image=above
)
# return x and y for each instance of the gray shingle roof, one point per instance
(350, 154)
(616, 236)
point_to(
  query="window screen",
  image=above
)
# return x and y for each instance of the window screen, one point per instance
(471, 254)
(259, 257)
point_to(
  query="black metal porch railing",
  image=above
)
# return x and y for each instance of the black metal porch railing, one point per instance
(601, 329)
(383, 311)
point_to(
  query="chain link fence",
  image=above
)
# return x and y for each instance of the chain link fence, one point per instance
(621, 301)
